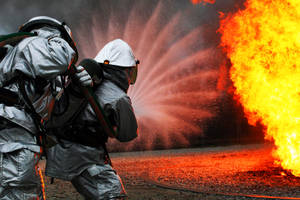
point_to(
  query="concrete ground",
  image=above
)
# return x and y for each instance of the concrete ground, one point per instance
(232, 172)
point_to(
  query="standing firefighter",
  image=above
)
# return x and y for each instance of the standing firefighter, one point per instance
(27, 74)
(80, 155)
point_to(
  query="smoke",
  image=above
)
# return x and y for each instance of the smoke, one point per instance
(14, 13)
(78, 12)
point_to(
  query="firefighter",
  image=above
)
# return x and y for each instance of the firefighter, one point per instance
(28, 71)
(80, 155)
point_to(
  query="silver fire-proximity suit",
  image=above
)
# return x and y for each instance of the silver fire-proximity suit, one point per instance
(45, 55)
(84, 163)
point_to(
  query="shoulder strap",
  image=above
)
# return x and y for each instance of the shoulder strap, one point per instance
(28, 105)
(14, 38)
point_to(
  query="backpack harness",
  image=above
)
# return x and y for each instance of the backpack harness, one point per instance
(10, 98)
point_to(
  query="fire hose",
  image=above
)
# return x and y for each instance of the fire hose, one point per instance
(228, 194)
(89, 95)
(99, 112)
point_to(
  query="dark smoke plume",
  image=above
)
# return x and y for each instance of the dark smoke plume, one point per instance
(15, 12)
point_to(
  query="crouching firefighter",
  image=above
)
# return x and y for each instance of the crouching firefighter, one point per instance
(81, 131)
(30, 62)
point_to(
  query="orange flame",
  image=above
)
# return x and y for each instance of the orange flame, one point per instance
(263, 44)
(205, 1)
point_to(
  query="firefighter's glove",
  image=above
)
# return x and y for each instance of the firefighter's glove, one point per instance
(82, 77)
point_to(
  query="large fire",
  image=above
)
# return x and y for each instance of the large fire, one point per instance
(263, 44)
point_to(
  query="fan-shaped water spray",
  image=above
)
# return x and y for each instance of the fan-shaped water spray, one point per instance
(176, 90)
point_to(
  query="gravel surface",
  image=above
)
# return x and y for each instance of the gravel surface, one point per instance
(232, 172)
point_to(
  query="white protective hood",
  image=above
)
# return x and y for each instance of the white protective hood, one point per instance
(117, 52)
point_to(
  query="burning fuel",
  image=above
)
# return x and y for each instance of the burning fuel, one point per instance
(263, 42)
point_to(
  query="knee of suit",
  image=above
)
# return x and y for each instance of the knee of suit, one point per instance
(18, 168)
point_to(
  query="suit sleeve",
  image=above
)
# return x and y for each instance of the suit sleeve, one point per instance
(45, 58)
(127, 128)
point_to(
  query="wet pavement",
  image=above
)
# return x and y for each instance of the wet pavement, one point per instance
(232, 172)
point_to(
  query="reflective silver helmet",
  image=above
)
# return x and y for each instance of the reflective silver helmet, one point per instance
(118, 54)
(41, 21)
